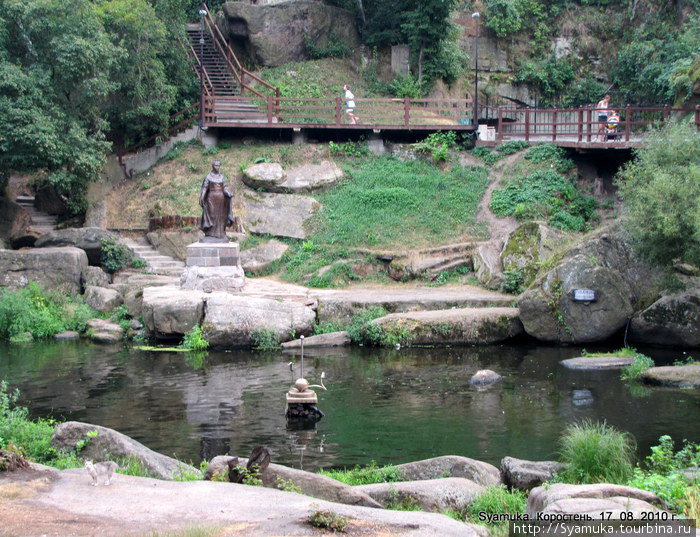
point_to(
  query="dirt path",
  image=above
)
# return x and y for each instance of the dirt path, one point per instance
(499, 227)
(62, 504)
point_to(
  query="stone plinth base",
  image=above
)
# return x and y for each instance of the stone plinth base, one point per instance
(209, 279)
(213, 254)
(213, 267)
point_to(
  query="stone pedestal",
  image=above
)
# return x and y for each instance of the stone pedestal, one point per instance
(213, 267)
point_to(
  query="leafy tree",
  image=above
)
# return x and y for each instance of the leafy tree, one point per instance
(661, 192)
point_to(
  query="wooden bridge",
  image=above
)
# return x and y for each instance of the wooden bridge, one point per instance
(234, 98)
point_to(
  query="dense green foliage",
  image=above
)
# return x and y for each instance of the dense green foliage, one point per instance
(596, 453)
(32, 310)
(545, 193)
(635, 369)
(114, 256)
(660, 189)
(76, 74)
(194, 340)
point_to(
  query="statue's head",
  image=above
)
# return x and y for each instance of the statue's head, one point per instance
(216, 165)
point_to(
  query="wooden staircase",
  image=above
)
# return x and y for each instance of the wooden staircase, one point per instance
(230, 93)
(222, 80)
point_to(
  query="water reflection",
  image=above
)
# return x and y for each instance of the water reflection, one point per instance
(390, 406)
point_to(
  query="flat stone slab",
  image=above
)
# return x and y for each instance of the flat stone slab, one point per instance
(455, 326)
(262, 256)
(339, 305)
(331, 339)
(597, 362)
(679, 376)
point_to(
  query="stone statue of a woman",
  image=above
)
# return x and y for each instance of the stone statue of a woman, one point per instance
(216, 201)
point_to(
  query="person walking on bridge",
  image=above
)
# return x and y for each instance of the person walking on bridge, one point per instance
(350, 105)
(602, 110)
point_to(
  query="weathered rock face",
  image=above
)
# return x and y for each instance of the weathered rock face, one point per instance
(13, 218)
(602, 262)
(97, 277)
(173, 243)
(528, 245)
(52, 268)
(85, 238)
(110, 444)
(282, 215)
(307, 178)
(274, 34)
(232, 321)
(671, 320)
(487, 264)
(259, 258)
(480, 472)
(315, 485)
(102, 298)
(170, 312)
(594, 500)
(454, 326)
(436, 495)
(525, 475)
(680, 376)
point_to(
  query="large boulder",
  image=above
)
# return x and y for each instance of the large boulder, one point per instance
(53, 268)
(13, 218)
(602, 262)
(274, 34)
(104, 332)
(97, 277)
(436, 495)
(170, 312)
(283, 215)
(529, 245)
(672, 320)
(235, 321)
(266, 175)
(262, 256)
(173, 243)
(480, 472)
(454, 326)
(487, 264)
(679, 376)
(525, 475)
(331, 339)
(594, 500)
(315, 485)
(271, 177)
(85, 238)
(588, 363)
(109, 444)
(102, 298)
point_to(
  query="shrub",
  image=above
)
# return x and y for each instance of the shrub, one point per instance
(349, 149)
(596, 453)
(406, 86)
(438, 145)
(194, 340)
(635, 369)
(328, 520)
(39, 312)
(265, 339)
(513, 282)
(113, 255)
(497, 499)
(660, 189)
(361, 329)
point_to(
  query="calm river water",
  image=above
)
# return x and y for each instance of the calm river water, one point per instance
(390, 406)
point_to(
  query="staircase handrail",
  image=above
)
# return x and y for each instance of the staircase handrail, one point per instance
(208, 86)
(224, 47)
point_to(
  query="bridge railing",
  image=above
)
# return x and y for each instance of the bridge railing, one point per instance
(434, 114)
(581, 124)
